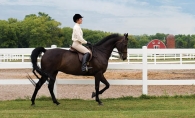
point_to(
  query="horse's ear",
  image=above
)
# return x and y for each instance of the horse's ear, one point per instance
(126, 35)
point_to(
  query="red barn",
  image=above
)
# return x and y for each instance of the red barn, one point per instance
(156, 44)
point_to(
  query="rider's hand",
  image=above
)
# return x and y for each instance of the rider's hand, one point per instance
(88, 43)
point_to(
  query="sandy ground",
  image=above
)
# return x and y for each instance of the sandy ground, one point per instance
(9, 92)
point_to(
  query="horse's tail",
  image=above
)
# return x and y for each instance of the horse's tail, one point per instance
(34, 55)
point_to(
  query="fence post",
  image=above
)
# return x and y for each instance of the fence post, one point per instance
(154, 58)
(144, 71)
(4, 58)
(180, 58)
(22, 57)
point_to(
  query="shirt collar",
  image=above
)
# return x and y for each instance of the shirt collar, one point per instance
(77, 24)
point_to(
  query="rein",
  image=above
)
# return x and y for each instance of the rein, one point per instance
(119, 52)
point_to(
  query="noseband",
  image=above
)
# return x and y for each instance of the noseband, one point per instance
(119, 52)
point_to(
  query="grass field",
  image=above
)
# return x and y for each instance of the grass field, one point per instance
(126, 107)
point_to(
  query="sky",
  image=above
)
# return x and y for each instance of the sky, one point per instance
(136, 17)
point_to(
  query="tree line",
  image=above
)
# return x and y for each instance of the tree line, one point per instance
(41, 30)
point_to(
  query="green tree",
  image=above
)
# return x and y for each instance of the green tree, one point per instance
(160, 36)
(4, 32)
(66, 36)
(94, 36)
(40, 30)
(132, 43)
(192, 41)
(180, 43)
(144, 40)
(9, 33)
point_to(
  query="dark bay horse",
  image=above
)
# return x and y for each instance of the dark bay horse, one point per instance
(57, 59)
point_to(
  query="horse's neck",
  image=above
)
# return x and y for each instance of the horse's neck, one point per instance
(107, 48)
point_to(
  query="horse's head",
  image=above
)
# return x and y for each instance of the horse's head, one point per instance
(121, 46)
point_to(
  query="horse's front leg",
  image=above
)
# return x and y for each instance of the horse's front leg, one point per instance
(96, 94)
(103, 80)
(99, 77)
(51, 86)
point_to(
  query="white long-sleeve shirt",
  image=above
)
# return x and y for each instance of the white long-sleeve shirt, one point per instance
(77, 34)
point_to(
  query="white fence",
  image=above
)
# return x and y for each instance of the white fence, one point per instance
(145, 55)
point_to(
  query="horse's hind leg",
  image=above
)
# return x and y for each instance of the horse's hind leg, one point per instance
(38, 86)
(51, 87)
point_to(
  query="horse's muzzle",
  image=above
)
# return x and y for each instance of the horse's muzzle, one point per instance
(124, 58)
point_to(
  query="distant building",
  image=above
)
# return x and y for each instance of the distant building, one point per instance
(156, 44)
(170, 41)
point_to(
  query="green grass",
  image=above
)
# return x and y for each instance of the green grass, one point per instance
(125, 107)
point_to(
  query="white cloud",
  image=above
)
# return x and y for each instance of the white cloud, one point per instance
(117, 16)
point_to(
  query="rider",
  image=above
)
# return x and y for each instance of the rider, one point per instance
(77, 37)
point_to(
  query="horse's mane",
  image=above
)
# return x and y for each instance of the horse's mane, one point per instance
(106, 38)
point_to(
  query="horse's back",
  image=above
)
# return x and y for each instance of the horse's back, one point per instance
(59, 59)
(54, 54)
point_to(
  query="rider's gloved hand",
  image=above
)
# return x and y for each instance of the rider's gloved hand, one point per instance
(88, 43)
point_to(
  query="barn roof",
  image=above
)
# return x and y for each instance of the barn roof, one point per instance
(156, 40)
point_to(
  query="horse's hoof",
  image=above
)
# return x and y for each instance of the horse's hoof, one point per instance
(33, 104)
(100, 103)
(57, 103)
(93, 94)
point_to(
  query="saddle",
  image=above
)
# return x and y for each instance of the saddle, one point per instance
(80, 55)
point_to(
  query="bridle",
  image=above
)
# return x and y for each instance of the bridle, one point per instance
(120, 52)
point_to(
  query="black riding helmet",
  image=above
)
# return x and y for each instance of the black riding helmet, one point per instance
(76, 17)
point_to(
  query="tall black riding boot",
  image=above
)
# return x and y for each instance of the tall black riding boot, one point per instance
(84, 62)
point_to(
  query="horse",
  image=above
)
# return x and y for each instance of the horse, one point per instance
(66, 61)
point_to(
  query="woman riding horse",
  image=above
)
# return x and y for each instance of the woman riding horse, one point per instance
(55, 60)
(77, 37)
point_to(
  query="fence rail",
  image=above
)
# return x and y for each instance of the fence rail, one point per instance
(144, 65)
(22, 54)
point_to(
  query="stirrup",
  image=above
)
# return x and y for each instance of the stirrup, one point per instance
(87, 68)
